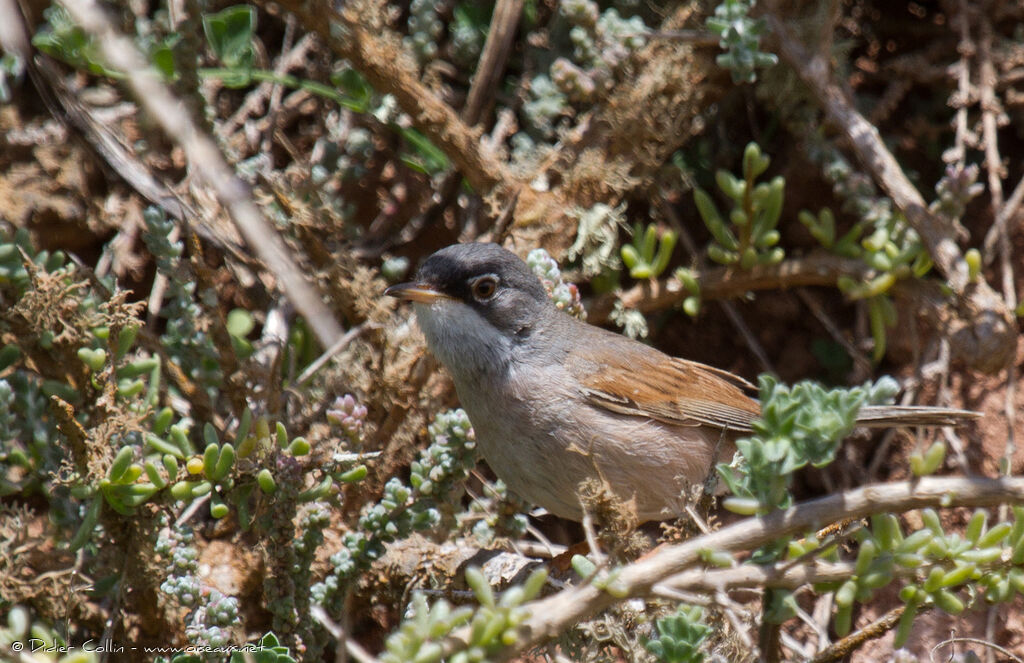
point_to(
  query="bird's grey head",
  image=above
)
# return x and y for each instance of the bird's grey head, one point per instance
(476, 304)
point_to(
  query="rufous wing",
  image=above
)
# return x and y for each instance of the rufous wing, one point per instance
(671, 390)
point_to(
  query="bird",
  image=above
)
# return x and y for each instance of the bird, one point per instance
(555, 401)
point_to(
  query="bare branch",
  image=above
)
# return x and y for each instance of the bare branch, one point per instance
(724, 282)
(854, 641)
(552, 615)
(813, 69)
(780, 574)
(492, 60)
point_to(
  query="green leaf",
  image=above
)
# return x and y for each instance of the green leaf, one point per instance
(162, 57)
(713, 219)
(85, 530)
(94, 359)
(266, 481)
(125, 339)
(730, 184)
(121, 463)
(229, 33)
(357, 473)
(650, 242)
(665, 248)
(481, 588)
(360, 92)
(877, 319)
(8, 355)
(427, 158)
(754, 162)
(240, 322)
(225, 459)
(69, 43)
(630, 257)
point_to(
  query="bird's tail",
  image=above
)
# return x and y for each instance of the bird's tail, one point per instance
(913, 415)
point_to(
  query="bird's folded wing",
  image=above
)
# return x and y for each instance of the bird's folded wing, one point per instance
(671, 390)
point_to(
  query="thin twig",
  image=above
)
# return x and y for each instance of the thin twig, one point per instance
(732, 613)
(749, 339)
(270, 354)
(337, 347)
(1001, 224)
(663, 592)
(820, 629)
(783, 575)
(856, 640)
(864, 367)
(724, 282)
(976, 641)
(503, 224)
(114, 616)
(491, 66)
(191, 510)
(293, 59)
(796, 647)
(591, 536)
(963, 137)
(823, 616)
(991, 111)
(993, 163)
(345, 643)
(278, 89)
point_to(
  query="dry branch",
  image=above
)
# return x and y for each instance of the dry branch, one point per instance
(992, 328)
(492, 60)
(726, 282)
(355, 32)
(780, 574)
(552, 615)
(854, 641)
(977, 336)
(813, 69)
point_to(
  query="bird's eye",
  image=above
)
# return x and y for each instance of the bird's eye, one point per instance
(485, 287)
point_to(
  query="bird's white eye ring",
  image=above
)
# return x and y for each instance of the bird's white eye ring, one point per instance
(485, 287)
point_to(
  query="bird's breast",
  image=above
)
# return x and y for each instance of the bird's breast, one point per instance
(542, 439)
